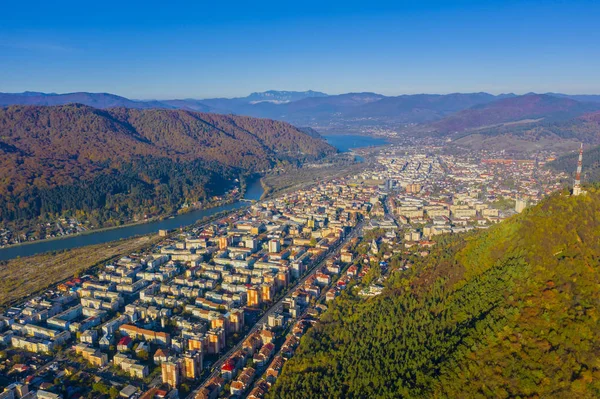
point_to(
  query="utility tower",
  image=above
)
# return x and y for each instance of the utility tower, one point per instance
(577, 186)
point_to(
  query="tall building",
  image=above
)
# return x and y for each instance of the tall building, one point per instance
(274, 246)
(236, 320)
(254, 297)
(520, 205)
(224, 242)
(251, 243)
(282, 279)
(216, 340)
(172, 371)
(221, 321)
(266, 293)
(196, 343)
(413, 188)
(577, 186)
(193, 365)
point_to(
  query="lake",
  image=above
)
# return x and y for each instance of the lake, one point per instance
(254, 191)
(345, 142)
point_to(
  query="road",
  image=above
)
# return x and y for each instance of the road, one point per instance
(300, 316)
(389, 211)
(263, 320)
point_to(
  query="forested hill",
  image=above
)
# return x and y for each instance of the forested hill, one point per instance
(513, 311)
(591, 164)
(526, 108)
(117, 163)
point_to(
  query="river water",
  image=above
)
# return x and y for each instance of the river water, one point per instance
(254, 191)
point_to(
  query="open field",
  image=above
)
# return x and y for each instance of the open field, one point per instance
(23, 277)
(294, 179)
(515, 144)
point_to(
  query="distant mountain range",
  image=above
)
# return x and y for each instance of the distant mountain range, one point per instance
(96, 100)
(107, 100)
(530, 107)
(521, 124)
(280, 97)
(292, 106)
(442, 115)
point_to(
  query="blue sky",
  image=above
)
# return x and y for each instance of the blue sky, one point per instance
(228, 48)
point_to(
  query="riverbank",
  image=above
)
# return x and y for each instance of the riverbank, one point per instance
(253, 192)
(296, 179)
(256, 188)
(83, 233)
(24, 277)
(134, 223)
(266, 189)
(109, 228)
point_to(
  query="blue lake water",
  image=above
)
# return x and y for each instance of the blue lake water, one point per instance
(346, 142)
(254, 191)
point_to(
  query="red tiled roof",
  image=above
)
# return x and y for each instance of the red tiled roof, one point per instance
(229, 365)
(160, 353)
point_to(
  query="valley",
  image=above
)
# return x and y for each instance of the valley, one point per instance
(115, 167)
(315, 200)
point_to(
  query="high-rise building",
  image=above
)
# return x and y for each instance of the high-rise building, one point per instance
(224, 242)
(196, 343)
(274, 246)
(577, 185)
(216, 340)
(266, 292)
(192, 365)
(283, 279)
(520, 205)
(236, 320)
(172, 371)
(254, 297)
(220, 322)
(251, 243)
(413, 188)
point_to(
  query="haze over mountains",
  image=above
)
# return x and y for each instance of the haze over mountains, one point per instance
(445, 114)
(528, 107)
(96, 100)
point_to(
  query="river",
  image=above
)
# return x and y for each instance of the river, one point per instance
(254, 191)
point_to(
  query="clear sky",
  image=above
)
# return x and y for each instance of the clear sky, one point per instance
(173, 49)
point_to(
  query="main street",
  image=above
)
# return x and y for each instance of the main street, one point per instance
(275, 307)
(304, 312)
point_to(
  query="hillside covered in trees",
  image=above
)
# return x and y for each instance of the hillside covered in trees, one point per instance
(512, 311)
(528, 107)
(116, 164)
(591, 164)
(585, 128)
